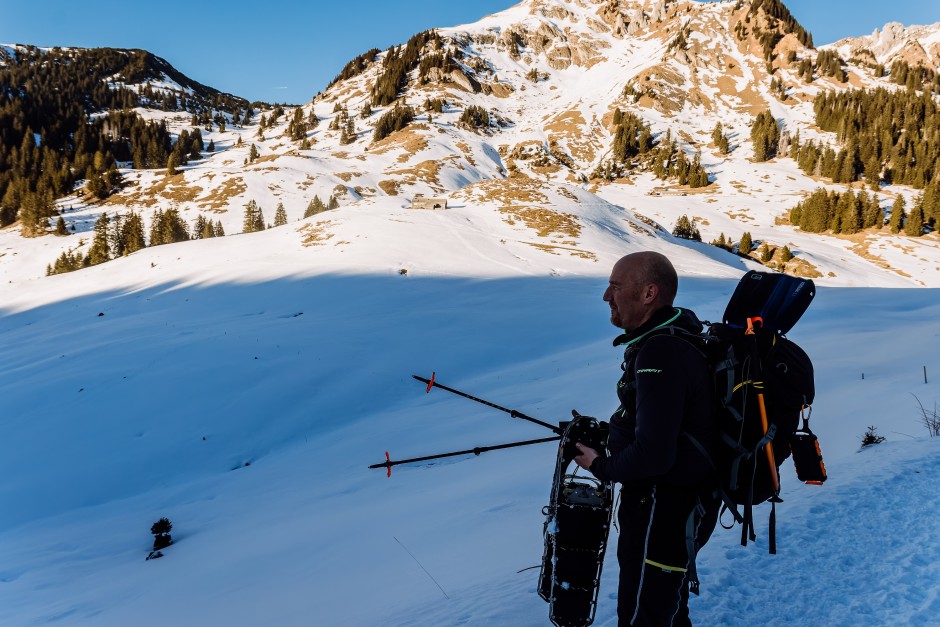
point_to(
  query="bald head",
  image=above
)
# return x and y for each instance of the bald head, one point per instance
(640, 284)
(649, 267)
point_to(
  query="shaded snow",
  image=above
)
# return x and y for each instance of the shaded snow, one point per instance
(296, 371)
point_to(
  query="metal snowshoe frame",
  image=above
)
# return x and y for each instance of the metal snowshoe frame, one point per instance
(577, 523)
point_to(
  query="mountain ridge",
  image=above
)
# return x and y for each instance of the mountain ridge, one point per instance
(544, 82)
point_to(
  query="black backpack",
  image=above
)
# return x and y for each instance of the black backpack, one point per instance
(763, 385)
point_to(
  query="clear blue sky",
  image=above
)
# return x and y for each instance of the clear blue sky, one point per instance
(287, 51)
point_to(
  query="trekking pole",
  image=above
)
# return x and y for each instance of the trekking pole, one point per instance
(759, 387)
(512, 412)
(388, 463)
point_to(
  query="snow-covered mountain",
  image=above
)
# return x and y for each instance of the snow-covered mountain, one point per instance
(915, 45)
(240, 385)
(550, 75)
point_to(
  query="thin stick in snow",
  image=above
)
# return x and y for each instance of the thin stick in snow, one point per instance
(422, 567)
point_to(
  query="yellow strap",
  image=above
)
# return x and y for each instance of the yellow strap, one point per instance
(674, 569)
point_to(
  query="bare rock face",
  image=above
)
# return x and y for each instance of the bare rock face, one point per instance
(639, 22)
(435, 75)
(544, 37)
(887, 39)
(611, 13)
(896, 42)
(658, 11)
(467, 83)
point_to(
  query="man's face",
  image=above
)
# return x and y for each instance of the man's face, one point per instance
(627, 297)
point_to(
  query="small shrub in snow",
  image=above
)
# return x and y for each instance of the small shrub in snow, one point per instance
(161, 534)
(871, 437)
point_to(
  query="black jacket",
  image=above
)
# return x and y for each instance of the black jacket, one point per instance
(666, 389)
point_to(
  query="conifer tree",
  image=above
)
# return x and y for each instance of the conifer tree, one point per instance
(766, 252)
(717, 132)
(314, 207)
(173, 227)
(850, 210)
(117, 237)
(897, 215)
(686, 229)
(280, 215)
(871, 211)
(721, 242)
(161, 532)
(914, 223)
(765, 135)
(745, 245)
(100, 251)
(171, 163)
(133, 226)
(333, 203)
(60, 228)
(250, 222)
(199, 227)
(698, 177)
(156, 228)
(219, 231)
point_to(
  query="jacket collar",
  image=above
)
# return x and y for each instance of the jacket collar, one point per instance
(660, 318)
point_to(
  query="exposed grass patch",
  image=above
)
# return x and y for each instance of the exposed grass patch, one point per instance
(408, 139)
(544, 222)
(389, 187)
(315, 234)
(467, 153)
(426, 171)
(217, 200)
(555, 250)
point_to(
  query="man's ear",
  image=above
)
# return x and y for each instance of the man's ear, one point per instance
(650, 293)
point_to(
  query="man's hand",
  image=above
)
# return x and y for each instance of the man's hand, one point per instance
(587, 456)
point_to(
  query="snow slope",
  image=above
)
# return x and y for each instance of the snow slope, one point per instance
(240, 386)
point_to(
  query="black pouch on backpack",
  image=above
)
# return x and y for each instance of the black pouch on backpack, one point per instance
(807, 457)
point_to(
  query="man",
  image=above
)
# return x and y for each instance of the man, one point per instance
(665, 396)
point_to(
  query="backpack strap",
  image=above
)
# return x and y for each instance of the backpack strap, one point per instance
(727, 503)
(691, 542)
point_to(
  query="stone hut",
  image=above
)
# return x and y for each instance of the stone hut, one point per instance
(428, 202)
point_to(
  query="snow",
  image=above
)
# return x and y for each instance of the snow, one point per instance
(295, 366)
(240, 386)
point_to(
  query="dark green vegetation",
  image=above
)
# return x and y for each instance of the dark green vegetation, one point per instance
(849, 212)
(778, 23)
(886, 136)
(124, 234)
(355, 67)
(65, 116)
(766, 136)
(395, 119)
(635, 148)
(398, 63)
